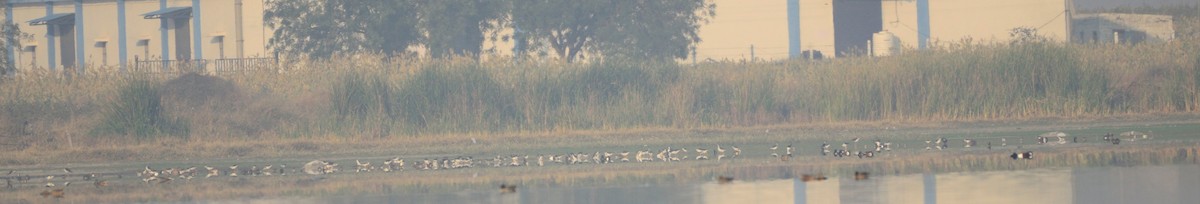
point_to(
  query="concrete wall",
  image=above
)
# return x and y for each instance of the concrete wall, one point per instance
(817, 30)
(741, 23)
(982, 21)
(855, 23)
(218, 19)
(763, 23)
(100, 25)
(1138, 28)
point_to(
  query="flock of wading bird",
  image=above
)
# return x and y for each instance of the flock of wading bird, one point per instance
(150, 175)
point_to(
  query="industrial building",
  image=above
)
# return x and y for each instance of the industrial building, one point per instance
(126, 34)
(1122, 28)
(149, 35)
(837, 28)
(849, 27)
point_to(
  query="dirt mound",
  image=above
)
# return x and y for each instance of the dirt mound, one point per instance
(195, 89)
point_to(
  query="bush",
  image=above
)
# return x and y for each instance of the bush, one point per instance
(362, 103)
(454, 97)
(138, 111)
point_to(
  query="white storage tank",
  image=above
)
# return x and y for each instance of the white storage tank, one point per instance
(885, 44)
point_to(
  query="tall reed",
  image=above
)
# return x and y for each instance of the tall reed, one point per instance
(370, 96)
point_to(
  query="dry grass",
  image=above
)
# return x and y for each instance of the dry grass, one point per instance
(368, 99)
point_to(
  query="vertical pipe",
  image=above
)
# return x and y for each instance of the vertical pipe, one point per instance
(50, 47)
(8, 20)
(80, 44)
(751, 52)
(166, 47)
(793, 12)
(121, 40)
(197, 38)
(923, 24)
(241, 40)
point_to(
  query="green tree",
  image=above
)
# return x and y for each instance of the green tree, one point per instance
(565, 26)
(644, 29)
(458, 27)
(11, 35)
(323, 28)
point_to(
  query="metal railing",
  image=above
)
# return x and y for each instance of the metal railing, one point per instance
(242, 64)
(216, 66)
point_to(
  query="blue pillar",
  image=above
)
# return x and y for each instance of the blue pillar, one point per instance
(799, 188)
(930, 188)
(793, 8)
(166, 47)
(8, 20)
(922, 24)
(50, 48)
(121, 43)
(197, 36)
(80, 43)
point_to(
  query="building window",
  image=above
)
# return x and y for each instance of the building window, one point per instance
(32, 50)
(145, 44)
(103, 47)
(220, 41)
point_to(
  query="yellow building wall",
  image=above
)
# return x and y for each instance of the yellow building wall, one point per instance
(729, 36)
(1026, 187)
(981, 21)
(816, 27)
(741, 23)
(100, 24)
(219, 19)
(901, 189)
(773, 191)
(764, 24)
(827, 191)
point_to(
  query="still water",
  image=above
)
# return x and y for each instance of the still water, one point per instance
(1163, 173)
(1136, 184)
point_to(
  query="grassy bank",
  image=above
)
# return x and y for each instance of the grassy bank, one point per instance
(366, 98)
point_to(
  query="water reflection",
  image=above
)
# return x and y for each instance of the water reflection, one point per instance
(1139, 184)
(1155, 184)
(1147, 173)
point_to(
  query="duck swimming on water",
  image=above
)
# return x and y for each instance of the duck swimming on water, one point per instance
(505, 189)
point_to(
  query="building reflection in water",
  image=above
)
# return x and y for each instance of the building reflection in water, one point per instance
(1143, 184)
